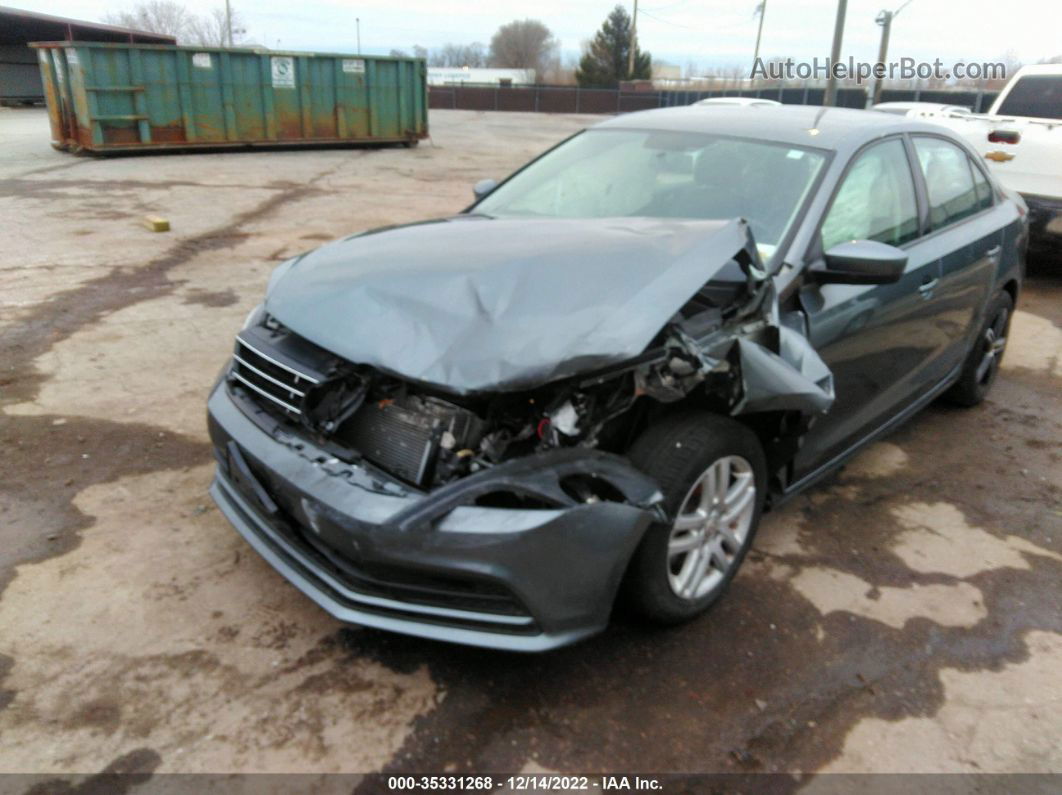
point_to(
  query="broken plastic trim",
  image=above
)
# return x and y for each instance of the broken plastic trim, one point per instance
(539, 476)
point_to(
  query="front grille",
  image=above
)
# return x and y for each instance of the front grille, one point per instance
(269, 378)
(401, 435)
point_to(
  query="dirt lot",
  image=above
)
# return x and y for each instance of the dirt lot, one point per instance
(906, 616)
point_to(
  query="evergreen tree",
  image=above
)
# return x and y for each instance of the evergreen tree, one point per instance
(605, 62)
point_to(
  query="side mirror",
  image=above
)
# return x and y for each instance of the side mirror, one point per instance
(861, 262)
(483, 187)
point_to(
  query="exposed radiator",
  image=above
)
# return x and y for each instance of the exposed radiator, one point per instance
(400, 440)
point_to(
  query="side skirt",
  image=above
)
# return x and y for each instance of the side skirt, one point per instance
(889, 425)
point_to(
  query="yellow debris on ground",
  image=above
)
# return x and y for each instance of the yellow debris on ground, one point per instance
(156, 224)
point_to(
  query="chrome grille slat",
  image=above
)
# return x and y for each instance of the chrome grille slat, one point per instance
(283, 385)
(263, 393)
(281, 365)
(267, 377)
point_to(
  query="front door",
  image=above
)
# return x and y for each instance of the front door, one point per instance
(880, 341)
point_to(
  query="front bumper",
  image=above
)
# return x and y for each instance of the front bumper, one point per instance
(1045, 221)
(376, 553)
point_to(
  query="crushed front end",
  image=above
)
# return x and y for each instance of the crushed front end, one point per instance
(401, 510)
(497, 509)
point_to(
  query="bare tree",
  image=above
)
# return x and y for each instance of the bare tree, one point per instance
(153, 16)
(472, 55)
(524, 44)
(173, 19)
(212, 30)
(418, 52)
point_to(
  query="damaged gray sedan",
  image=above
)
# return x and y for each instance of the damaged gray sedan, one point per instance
(592, 382)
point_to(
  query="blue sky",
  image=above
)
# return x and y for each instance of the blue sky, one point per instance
(710, 32)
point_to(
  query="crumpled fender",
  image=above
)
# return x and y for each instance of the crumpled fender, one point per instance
(794, 379)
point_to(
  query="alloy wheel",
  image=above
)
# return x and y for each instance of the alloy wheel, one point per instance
(711, 527)
(993, 342)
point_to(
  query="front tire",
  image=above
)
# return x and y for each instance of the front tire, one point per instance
(982, 363)
(712, 472)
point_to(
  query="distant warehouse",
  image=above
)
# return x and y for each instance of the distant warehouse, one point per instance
(459, 75)
(20, 77)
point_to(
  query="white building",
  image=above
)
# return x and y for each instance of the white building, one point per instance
(458, 75)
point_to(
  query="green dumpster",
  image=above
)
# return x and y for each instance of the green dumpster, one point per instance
(117, 97)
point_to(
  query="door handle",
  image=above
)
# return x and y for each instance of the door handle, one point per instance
(927, 287)
(993, 253)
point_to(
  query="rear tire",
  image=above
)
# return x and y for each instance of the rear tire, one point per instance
(710, 528)
(982, 363)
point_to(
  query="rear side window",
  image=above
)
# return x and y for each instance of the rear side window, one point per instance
(981, 188)
(876, 200)
(950, 184)
(1036, 96)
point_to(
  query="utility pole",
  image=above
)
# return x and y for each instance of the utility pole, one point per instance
(762, 9)
(228, 22)
(633, 42)
(884, 19)
(357, 23)
(835, 53)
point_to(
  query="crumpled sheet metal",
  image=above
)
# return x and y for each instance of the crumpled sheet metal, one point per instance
(476, 305)
(794, 379)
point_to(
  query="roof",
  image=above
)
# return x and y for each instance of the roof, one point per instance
(18, 26)
(738, 101)
(799, 125)
(1040, 69)
(917, 106)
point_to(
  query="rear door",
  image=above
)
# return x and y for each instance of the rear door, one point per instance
(968, 237)
(880, 341)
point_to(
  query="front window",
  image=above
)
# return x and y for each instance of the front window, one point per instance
(876, 201)
(665, 174)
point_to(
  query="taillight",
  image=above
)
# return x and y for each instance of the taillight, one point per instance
(1004, 137)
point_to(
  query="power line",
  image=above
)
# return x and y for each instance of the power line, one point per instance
(645, 13)
(668, 6)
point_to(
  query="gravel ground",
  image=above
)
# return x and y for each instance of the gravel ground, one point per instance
(904, 616)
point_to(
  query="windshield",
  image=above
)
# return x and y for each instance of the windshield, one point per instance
(623, 173)
(1035, 96)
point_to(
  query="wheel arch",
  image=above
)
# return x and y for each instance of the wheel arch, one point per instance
(778, 432)
(1012, 288)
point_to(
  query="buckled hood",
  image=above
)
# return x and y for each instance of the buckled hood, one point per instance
(473, 304)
